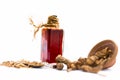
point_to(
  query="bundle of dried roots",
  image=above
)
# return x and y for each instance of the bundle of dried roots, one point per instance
(92, 63)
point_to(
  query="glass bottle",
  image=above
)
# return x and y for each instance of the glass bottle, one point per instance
(51, 39)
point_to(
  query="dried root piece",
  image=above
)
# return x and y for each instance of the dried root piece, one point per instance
(8, 63)
(58, 66)
(70, 65)
(60, 59)
(22, 64)
(35, 64)
(88, 68)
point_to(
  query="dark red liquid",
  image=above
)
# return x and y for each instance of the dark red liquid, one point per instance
(51, 44)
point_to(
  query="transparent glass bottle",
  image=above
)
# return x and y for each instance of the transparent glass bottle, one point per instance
(51, 39)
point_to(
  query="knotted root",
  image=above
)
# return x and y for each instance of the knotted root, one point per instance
(52, 22)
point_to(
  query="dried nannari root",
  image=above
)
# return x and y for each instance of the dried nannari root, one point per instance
(91, 64)
(58, 66)
(52, 22)
(112, 47)
(22, 64)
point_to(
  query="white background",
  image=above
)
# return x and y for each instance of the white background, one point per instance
(85, 23)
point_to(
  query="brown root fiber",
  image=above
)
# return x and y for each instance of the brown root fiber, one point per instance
(52, 22)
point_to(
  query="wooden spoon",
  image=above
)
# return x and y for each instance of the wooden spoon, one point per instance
(101, 45)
